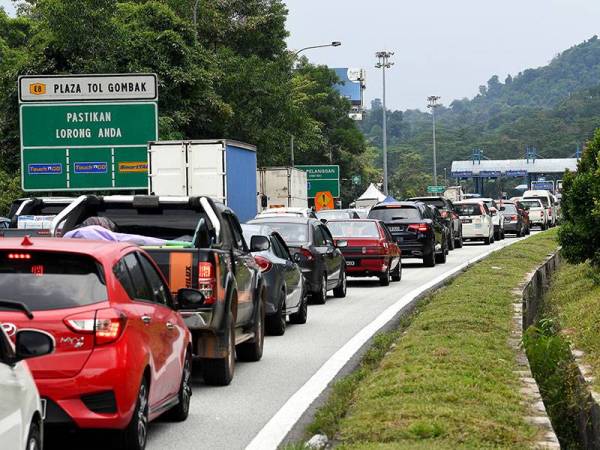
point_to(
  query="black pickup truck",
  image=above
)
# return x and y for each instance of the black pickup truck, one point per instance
(209, 255)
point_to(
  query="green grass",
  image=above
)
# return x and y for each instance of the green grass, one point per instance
(448, 381)
(574, 300)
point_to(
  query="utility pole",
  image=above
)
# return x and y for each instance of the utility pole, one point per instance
(196, 17)
(433, 104)
(384, 63)
(292, 149)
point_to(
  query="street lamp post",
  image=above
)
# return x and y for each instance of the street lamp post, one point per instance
(296, 53)
(433, 104)
(384, 63)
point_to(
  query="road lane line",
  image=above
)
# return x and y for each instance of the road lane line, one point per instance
(277, 428)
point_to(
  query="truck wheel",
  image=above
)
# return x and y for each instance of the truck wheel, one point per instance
(181, 411)
(253, 350)
(340, 290)
(320, 297)
(275, 323)
(135, 435)
(384, 278)
(219, 371)
(301, 315)
(397, 273)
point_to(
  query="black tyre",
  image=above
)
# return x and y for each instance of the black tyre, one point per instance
(275, 323)
(34, 439)
(502, 235)
(440, 258)
(429, 259)
(301, 315)
(528, 231)
(543, 227)
(397, 273)
(487, 241)
(219, 371)
(180, 412)
(252, 350)
(451, 243)
(340, 290)
(459, 242)
(135, 435)
(384, 278)
(320, 297)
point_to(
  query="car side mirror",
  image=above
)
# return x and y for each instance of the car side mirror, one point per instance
(297, 258)
(341, 244)
(31, 344)
(259, 243)
(323, 220)
(190, 299)
(502, 208)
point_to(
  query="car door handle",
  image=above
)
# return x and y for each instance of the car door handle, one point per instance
(146, 319)
(170, 326)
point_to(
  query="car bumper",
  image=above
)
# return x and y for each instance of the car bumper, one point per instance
(474, 231)
(414, 250)
(69, 399)
(365, 265)
(511, 227)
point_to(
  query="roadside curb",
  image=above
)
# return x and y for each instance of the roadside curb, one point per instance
(287, 423)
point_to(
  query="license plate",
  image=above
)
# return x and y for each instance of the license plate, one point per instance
(466, 220)
(396, 229)
(44, 402)
(350, 263)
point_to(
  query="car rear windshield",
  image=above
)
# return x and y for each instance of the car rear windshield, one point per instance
(544, 200)
(51, 280)
(527, 204)
(292, 233)
(473, 209)
(432, 201)
(510, 209)
(333, 214)
(352, 228)
(396, 213)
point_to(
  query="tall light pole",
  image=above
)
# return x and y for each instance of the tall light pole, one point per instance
(433, 104)
(296, 53)
(384, 63)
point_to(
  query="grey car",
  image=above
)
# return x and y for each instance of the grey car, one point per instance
(286, 296)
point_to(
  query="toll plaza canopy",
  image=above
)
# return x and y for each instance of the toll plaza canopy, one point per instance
(489, 168)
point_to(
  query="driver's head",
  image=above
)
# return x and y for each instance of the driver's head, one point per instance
(100, 221)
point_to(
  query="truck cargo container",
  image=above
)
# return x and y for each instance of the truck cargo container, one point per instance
(282, 187)
(222, 169)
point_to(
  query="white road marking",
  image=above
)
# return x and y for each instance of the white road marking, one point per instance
(277, 428)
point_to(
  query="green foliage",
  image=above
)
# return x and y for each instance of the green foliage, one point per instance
(580, 233)
(11, 190)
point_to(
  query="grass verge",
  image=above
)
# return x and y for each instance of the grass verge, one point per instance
(448, 381)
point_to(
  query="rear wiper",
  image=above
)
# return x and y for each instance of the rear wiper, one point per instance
(9, 304)
(399, 218)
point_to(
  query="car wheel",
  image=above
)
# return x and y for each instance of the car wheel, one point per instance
(502, 235)
(487, 241)
(440, 258)
(429, 259)
(340, 290)
(459, 242)
(253, 350)
(301, 315)
(275, 323)
(320, 297)
(397, 273)
(451, 243)
(135, 435)
(181, 411)
(543, 227)
(34, 440)
(219, 371)
(384, 278)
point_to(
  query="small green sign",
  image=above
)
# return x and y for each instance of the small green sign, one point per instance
(322, 179)
(86, 146)
(436, 189)
(356, 179)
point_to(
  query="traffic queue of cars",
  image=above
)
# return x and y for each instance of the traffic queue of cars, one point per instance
(122, 297)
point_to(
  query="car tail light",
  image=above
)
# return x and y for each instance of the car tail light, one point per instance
(105, 324)
(444, 213)
(375, 250)
(419, 227)
(207, 281)
(307, 254)
(550, 212)
(513, 218)
(19, 256)
(264, 264)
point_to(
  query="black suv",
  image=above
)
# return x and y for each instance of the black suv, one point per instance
(415, 229)
(449, 216)
(319, 257)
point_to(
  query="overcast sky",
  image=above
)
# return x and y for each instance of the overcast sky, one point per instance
(442, 47)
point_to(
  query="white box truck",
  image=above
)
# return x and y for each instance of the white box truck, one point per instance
(281, 187)
(221, 169)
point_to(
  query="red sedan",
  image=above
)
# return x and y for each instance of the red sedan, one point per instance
(371, 249)
(123, 353)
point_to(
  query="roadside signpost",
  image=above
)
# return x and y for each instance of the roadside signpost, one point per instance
(86, 132)
(324, 200)
(322, 179)
(436, 189)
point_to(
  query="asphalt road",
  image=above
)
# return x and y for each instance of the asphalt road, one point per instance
(230, 417)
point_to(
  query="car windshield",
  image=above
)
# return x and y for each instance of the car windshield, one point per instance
(51, 280)
(353, 228)
(292, 233)
(528, 204)
(471, 209)
(390, 214)
(331, 214)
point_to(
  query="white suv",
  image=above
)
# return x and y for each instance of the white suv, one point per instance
(21, 412)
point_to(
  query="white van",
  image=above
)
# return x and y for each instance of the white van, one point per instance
(547, 200)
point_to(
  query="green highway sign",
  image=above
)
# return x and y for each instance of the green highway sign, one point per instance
(322, 179)
(436, 189)
(86, 145)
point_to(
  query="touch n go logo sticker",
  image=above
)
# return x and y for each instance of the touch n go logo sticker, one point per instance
(37, 88)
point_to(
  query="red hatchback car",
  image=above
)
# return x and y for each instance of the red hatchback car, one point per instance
(371, 249)
(123, 353)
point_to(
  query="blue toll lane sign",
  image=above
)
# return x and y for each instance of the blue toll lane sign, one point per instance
(90, 167)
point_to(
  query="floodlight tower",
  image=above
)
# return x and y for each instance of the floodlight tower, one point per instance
(384, 63)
